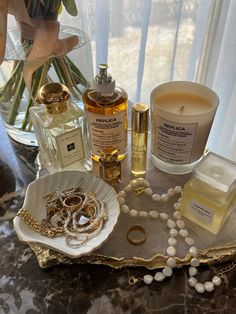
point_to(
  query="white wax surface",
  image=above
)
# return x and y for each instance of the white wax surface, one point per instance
(183, 104)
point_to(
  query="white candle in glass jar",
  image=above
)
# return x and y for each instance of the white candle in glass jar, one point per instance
(181, 118)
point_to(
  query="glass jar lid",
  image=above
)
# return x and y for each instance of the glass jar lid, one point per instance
(216, 171)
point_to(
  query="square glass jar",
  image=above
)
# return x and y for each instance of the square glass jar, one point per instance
(210, 194)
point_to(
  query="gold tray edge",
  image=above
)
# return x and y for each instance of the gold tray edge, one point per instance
(48, 258)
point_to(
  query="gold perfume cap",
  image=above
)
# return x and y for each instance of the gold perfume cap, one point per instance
(109, 156)
(54, 96)
(140, 114)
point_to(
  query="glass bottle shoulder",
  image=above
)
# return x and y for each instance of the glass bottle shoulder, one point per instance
(98, 100)
(48, 120)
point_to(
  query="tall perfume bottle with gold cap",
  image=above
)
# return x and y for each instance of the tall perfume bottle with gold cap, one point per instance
(106, 109)
(61, 130)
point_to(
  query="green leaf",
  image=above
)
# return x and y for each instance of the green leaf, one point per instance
(70, 7)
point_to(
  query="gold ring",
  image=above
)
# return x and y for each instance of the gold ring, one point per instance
(73, 202)
(134, 241)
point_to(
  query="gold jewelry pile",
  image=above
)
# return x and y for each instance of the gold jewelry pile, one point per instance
(77, 216)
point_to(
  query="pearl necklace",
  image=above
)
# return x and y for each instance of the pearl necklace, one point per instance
(176, 228)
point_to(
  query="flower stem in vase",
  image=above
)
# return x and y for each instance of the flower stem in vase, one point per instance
(18, 93)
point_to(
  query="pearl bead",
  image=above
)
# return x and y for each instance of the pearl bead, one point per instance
(122, 194)
(192, 271)
(189, 241)
(125, 208)
(193, 251)
(180, 223)
(133, 213)
(164, 197)
(177, 206)
(133, 183)
(172, 241)
(195, 262)
(156, 197)
(146, 183)
(164, 216)
(140, 181)
(192, 281)
(170, 224)
(171, 192)
(143, 213)
(171, 251)
(171, 262)
(177, 215)
(159, 276)
(200, 288)
(180, 200)
(209, 286)
(153, 214)
(173, 232)
(121, 200)
(216, 281)
(148, 191)
(178, 189)
(183, 233)
(148, 279)
(128, 188)
(167, 271)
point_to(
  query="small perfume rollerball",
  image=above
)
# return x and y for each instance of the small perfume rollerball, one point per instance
(209, 195)
(139, 139)
(110, 167)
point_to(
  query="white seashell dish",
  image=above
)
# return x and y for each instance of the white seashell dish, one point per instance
(35, 203)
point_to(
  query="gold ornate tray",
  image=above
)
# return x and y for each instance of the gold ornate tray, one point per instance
(118, 252)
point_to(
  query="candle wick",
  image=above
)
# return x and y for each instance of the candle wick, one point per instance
(182, 108)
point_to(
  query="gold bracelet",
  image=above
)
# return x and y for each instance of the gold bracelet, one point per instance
(138, 241)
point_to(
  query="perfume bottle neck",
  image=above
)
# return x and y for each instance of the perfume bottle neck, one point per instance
(56, 107)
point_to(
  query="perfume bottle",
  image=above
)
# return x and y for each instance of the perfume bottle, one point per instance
(139, 139)
(209, 195)
(106, 109)
(110, 167)
(61, 130)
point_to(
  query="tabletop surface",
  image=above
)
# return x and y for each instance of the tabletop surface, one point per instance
(84, 288)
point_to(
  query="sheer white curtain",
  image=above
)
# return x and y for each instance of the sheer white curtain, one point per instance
(148, 42)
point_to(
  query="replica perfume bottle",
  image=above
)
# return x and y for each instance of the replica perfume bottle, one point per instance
(61, 130)
(106, 109)
(209, 195)
(110, 167)
(139, 139)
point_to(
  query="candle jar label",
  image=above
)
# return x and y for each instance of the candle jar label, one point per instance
(173, 142)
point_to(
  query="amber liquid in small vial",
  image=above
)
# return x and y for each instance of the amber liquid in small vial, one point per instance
(138, 153)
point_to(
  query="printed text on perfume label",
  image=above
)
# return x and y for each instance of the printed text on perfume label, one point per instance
(107, 132)
(203, 213)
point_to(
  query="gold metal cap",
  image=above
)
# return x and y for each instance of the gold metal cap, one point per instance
(140, 114)
(109, 156)
(54, 96)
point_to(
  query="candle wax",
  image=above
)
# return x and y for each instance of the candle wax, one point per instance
(183, 103)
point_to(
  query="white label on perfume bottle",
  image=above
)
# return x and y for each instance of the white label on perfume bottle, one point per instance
(70, 147)
(107, 132)
(205, 214)
(173, 141)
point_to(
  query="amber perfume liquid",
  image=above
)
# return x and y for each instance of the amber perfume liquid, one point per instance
(107, 121)
(139, 153)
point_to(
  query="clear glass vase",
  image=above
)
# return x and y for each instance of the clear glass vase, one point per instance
(50, 43)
